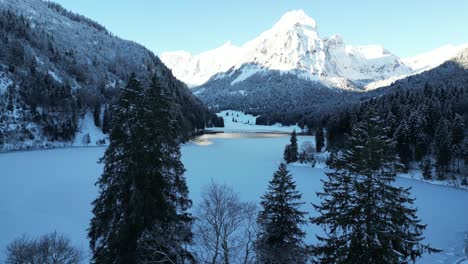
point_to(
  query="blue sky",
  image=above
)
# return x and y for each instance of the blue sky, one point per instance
(405, 27)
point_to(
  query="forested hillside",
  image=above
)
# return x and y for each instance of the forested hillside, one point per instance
(427, 116)
(56, 65)
(277, 97)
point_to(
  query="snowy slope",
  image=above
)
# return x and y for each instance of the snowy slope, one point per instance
(63, 50)
(433, 58)
(422, 62)
(294, 45)
(200, 68)
(88, 133)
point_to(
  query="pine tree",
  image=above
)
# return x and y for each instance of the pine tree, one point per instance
(319, 140)
(290, 153)
(287, 154)
(442, 148)
(142, 188)
(465, 152)
(106, 120)
(169, 206)
(365, 218)
(280, 238)
(417, 135)
(427, 169)
(402, 137)
(457, 136)
(97, 115)
(293, 151)
(458, 130)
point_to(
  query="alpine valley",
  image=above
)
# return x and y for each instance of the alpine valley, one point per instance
(289, 149)
(290, 71)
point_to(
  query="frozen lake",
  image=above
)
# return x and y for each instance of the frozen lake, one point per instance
(47, 190)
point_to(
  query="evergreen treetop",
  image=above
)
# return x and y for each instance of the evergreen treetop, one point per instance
(142, 188)
(280, 238)
(365, 218)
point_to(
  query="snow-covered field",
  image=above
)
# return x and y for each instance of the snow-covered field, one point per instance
(88, 133)
(236, 121)
(48, 190)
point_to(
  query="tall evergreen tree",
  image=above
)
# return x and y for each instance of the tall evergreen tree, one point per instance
(106, 120)
(365, 218)
(442, 148)
(294, 147)
(457, 136)
(319, 139)
(402, 137)
(417, 135)
(291, 151)
(280, 238)
(465, 153)
(458, 130)
(97, 115)
(287, 154)
(170, 204)
(142, 189)
(427, 169)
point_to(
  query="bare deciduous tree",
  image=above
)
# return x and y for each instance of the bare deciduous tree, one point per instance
(164, 244)
(48, 249)
(306, 152)
(225, 227)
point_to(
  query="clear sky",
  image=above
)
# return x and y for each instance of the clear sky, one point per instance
(405, 27)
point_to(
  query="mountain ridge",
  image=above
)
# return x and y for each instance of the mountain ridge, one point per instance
(57, 66)
(294, 45)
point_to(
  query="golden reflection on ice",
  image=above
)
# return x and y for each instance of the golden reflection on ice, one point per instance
(205, 139)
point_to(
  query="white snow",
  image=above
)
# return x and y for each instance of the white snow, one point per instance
(5, 82)
(55, 76)
(199, 91)
(240, 92)
(434, 58)
(293, 18)
(237, 121)
(195, 70)
(49, 190)
(86, 127)
(294, 45)
(422, 62)
(246, 72)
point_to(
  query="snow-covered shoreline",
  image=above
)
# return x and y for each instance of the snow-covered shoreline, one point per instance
(238, 121)
(417, 176)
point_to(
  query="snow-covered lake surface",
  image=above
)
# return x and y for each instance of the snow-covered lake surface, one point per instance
(47, 190)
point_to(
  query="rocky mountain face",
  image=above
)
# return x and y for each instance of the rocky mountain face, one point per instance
(56, 66)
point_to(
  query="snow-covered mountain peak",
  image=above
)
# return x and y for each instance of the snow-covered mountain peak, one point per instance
(293, 45)
(296, 18)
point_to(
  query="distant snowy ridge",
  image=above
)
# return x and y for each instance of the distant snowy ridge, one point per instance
(434, 58)
(293, 45)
